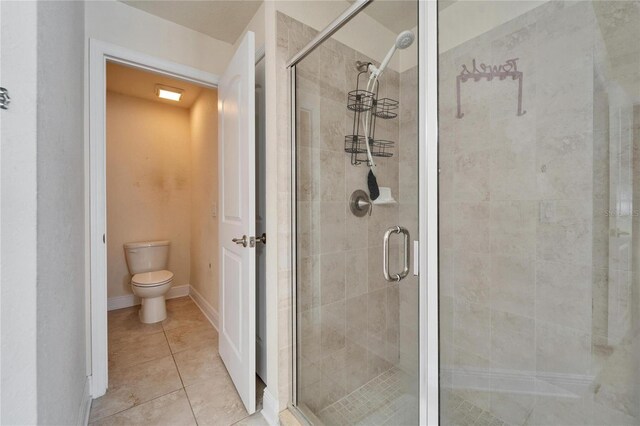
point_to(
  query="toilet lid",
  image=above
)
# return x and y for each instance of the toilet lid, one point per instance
(152, 278)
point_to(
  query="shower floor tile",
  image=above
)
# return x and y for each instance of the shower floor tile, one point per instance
(380, 401)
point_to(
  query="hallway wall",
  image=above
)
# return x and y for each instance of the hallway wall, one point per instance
(62, 391)
(148, 184)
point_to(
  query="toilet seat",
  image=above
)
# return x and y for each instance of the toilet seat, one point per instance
(152, 279)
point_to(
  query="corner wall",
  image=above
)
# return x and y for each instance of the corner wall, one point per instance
(204, 194)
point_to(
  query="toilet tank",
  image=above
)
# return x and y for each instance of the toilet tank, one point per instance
(146, 256)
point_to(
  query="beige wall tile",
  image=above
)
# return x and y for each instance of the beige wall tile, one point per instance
(563, 294)
(562, 350)
(332, 277)
(513, 228)
(472, 272)
(472, 328)
(471, 226)
(513, 285)
(513, 342)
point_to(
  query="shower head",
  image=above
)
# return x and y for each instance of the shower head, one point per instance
(404, 40)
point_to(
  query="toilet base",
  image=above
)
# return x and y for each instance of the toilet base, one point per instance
(153, 309)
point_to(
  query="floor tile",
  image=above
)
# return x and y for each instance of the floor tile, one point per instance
(184, 338)
(216, 402)
(200, 364)
(164, 373)
(136, 384)
(141, 348)
(179, 302)
(172, 409)
(187, 315)
(125, 324)
(256, 419)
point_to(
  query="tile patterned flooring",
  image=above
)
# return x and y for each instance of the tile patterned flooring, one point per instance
(168, 373)
(381, 401)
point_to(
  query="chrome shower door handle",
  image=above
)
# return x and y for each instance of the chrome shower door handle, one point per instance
(385, 253)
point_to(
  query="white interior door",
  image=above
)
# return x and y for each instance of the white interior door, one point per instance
(236, 139)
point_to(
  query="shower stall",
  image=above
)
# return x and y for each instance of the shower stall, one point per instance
(465, 233)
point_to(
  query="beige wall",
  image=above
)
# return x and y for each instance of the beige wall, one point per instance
(148, 184)
(204, 194)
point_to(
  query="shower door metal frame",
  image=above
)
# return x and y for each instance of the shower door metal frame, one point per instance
(427, 203)
(428, 175)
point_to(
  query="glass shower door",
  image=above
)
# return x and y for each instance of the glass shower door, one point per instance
(539, 142)
(356, 332)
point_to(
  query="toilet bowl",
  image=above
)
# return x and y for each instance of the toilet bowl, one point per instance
(151, 288)
(150, 281)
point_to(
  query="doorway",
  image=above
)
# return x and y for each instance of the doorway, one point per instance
(104, 56)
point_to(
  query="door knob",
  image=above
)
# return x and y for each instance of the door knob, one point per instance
(242, 241)
(261, 239)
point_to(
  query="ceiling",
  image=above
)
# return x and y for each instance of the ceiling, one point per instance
(395, 15)
(220, 19)
(225, 20)
(141, 84)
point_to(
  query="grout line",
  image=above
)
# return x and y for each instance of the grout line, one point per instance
(184, 389)
(136, 405)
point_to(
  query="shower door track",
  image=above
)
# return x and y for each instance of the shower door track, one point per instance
(427, 203)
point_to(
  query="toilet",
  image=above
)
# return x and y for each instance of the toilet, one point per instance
(150, 281)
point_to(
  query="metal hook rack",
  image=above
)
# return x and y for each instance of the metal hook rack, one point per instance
(489, 72)
(367, 106)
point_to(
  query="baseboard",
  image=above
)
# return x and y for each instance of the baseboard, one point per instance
(128, 300)
(270, 408)
(85, 404)
(209, 311)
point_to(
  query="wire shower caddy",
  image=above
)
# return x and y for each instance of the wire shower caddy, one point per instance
(367, 106)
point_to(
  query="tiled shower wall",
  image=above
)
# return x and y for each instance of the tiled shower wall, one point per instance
(348, 314)
(536, 297)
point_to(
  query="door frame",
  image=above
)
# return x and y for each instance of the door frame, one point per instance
(428, 212)
(95, 181)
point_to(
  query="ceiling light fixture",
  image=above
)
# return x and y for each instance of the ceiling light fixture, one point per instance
(170, 93)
